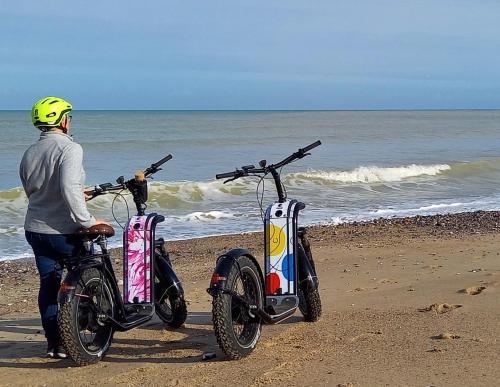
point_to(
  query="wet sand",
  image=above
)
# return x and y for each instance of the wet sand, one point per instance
(412, 301)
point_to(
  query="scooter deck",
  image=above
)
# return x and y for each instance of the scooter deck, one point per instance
(279, 304)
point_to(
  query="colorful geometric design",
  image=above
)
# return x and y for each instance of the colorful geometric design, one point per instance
(279, 261)
(277, 239)
(287, 267)
(272, 283)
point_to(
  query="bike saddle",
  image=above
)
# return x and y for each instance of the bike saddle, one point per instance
(96, 230)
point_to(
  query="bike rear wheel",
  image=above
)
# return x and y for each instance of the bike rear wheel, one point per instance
(85, 329)
(238, 332)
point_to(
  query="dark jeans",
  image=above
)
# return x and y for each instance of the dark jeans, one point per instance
(50, 252)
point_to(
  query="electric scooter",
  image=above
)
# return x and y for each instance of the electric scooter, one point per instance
(243, 296)
(91, 307)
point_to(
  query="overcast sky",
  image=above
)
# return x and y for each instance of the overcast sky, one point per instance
(366, 54)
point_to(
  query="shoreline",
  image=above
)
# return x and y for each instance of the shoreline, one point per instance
(449, 224)
(389, 232)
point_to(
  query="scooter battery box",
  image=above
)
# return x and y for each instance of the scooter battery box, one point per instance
(138, 247)
(280, 263)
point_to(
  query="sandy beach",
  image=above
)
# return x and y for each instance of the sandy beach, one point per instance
(406, 302)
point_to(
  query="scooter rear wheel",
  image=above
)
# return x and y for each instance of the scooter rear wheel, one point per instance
(85, 331)
(237, 331)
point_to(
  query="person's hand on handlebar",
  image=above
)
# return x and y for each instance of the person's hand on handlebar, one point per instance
(87, 193)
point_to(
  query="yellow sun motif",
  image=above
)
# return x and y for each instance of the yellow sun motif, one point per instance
(276, 238)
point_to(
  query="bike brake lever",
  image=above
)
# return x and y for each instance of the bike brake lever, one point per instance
(239, 173)
(94, 194)
(99, 190)
(149, 174)
(229, 180)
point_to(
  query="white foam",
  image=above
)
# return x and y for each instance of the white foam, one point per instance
(431, 207)
(12, 230)
(208, 216)
(11, 257)
(373, 174)
(337, 220)
(198, 191)
(491, 204)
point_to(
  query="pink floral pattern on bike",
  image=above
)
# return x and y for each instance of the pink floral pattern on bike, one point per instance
(137, 261)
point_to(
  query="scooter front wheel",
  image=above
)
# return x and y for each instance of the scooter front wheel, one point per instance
(309, 299)
(236, 330)
(310, 304)
(85, 329)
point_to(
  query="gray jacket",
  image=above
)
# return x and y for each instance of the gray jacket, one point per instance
(53, 178)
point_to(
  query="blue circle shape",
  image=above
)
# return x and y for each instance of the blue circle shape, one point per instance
(287, 267)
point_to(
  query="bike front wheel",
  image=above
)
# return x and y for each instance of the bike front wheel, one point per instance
(236, 330)
(84, 326)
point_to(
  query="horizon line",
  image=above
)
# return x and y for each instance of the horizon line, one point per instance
(269, 110)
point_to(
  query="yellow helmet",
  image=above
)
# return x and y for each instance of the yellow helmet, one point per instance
(49, 111)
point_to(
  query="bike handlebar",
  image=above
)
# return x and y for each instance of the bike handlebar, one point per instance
(302, 152)
(122, 184)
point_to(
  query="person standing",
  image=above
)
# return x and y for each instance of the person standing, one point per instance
(53, 178)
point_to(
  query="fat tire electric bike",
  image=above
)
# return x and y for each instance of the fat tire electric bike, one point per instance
(91, 307)
(243, 297)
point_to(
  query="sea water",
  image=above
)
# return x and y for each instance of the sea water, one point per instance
(371, 164)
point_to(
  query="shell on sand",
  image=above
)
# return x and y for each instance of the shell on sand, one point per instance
(440, 308)
(446, 336)
(473, 290)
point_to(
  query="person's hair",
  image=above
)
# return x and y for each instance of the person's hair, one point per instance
(59, 126)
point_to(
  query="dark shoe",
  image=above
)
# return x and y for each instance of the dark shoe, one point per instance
(60, 352)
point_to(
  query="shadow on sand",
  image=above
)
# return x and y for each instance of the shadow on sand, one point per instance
(23, 339)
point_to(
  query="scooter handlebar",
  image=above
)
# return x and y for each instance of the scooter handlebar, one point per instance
(106, 187)
(226, 175)
(155, 167)
(310, 147)
(250, 169)
(162, 161)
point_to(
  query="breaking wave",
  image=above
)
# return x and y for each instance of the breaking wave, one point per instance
(372, 174)
(200, 216)
(186, 194)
